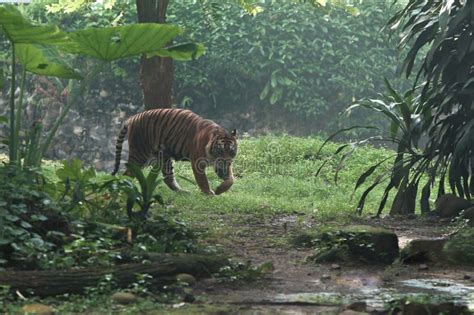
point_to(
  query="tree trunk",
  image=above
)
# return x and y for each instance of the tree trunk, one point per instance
(162, 268)
(156, 73)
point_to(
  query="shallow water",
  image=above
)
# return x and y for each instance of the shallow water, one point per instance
(428, 291)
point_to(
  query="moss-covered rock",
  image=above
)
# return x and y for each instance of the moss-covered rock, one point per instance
(449, 205)
(354, 243)
(423, 250)
(460, 248)
(124, 298)
(468, 215)
(38, 308)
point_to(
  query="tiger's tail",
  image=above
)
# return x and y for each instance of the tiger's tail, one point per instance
(118, 147)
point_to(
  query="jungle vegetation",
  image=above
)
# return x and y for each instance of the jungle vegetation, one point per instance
(399, 74)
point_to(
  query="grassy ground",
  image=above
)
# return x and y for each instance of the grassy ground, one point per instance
(278, 175)
(275, 178)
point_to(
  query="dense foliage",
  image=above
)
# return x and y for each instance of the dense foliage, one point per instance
(35, 228)
(447, 96)
(65, 215)
(313, 63)
(432, 123)
(288, 62)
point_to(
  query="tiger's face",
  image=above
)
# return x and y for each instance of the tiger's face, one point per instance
(223, 151)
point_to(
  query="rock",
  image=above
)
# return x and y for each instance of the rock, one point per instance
(415, 308)
(186, 278)
(466, 277)
(103, 93)
(355, 243)
(460, 248)
(189, 298)
(351, 312)
(468, 214)
(387, 279)
(38, 308)
(335, 267)
(325, 277)
(359, 306)
(124, 298)
(423, 267)
(449, 205)
(420, 251)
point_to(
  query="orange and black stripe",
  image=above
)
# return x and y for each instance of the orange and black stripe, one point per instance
(169, 131)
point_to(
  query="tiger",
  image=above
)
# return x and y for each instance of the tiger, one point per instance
(167, 134)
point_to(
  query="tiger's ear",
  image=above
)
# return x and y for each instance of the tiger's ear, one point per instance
(234, 133)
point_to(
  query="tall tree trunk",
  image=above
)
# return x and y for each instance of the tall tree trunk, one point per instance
(156, 74)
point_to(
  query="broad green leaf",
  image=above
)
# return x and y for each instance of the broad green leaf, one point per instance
(151, 182)
(276, 96)
(183, 52)
(44, 60)
(132, 197)
(112, 43)
(20, 30)
(265, 91)
(137, 172)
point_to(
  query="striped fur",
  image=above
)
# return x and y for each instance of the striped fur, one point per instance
(164, 135)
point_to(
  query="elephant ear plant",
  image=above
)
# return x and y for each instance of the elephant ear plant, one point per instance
(42, 49)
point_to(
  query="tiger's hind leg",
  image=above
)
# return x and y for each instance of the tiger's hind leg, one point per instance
(168, 174)
(136, 156)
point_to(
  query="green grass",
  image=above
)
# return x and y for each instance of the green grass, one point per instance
(278, 175)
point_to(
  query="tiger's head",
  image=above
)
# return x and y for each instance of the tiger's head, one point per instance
(222, 151)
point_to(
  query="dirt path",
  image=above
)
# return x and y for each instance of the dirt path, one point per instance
(296, 287)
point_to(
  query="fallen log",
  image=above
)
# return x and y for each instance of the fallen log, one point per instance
(162, 266)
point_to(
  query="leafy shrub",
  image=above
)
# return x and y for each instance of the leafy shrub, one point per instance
(290, 62)
(30, 220)
(142, 194)
(85, 193)
(67, 228)
(164, 234)
(289, 56)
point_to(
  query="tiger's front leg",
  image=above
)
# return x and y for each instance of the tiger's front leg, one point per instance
(199, 170)
(228, 178)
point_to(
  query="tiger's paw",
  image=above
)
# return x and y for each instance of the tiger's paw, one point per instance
(210, 193)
